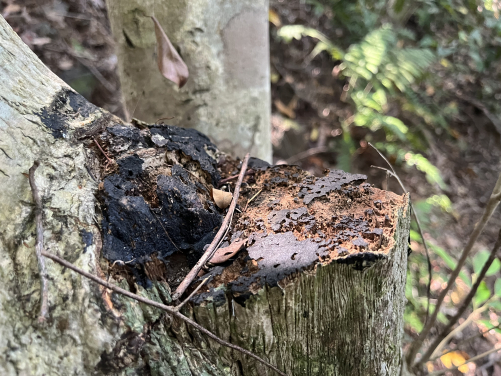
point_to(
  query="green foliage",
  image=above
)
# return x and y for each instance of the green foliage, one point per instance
(483, 293)
(480, 259)
(289, 32)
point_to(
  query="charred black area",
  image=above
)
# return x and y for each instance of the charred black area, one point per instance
(360, 261)
(156, 210)
(87, 237)
(334, 181)
(66, 103)
(189, 141)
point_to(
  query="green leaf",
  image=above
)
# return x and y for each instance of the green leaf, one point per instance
(415, 236)
(479, 261)
(451, 263)
(396, 126)
(412, 319)
(399, 5)
(483, 293)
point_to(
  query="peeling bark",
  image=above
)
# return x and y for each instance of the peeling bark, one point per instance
(317, 289)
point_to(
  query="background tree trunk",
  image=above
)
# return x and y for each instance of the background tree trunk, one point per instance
(226, 48)
(318, 290)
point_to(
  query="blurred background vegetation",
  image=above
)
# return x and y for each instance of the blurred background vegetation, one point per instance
(419, 79)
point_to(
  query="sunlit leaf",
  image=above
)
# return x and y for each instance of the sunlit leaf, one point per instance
(169, 62)
(483, 293)
(412, 319)
(480, 259)
(454, 359)
(415, 236)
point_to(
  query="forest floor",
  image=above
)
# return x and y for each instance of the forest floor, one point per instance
(73, 38)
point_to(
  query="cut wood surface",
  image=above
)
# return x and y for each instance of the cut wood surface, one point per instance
(317, 289)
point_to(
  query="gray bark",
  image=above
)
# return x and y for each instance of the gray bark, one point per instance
(225, 45)
(312, 305)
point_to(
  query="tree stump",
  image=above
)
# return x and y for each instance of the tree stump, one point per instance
(318, 288)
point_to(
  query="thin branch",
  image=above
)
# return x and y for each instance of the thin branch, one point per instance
(44, 294)
(233, 177)
(170, 310)
(307, 153)
(213, 245)
(444, 335)
(251, 199)
(475, 358)
(466, 340)
(180, 305)
(100, 148)
(394, 174)
(479, 227)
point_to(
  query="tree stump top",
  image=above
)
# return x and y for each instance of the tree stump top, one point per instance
(299, 222)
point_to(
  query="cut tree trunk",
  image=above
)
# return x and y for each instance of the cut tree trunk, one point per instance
(318, 288)
(225, 45)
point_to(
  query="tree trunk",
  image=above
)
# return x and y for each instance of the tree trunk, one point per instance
(226, 48)
(318, 289)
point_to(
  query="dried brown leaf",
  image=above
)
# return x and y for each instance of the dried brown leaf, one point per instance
(224, 254)
(285, 110)
(169, 62)
(221, 198)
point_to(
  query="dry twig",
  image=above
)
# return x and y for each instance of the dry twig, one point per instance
(180, 305)
(233, 177)
(479, 227)
(44, 305)
(439, 342)
(466, 340)
(100, 148)
(394, 174)
(213, 245)
(170, 310)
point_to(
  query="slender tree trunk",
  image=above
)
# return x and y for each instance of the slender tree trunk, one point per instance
(225, 45)
(318, 290)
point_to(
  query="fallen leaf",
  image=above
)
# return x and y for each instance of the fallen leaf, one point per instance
(169, 62)
(224, 254)
(274, 18)
(287, 110)
(221, 198)
(455, 358)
